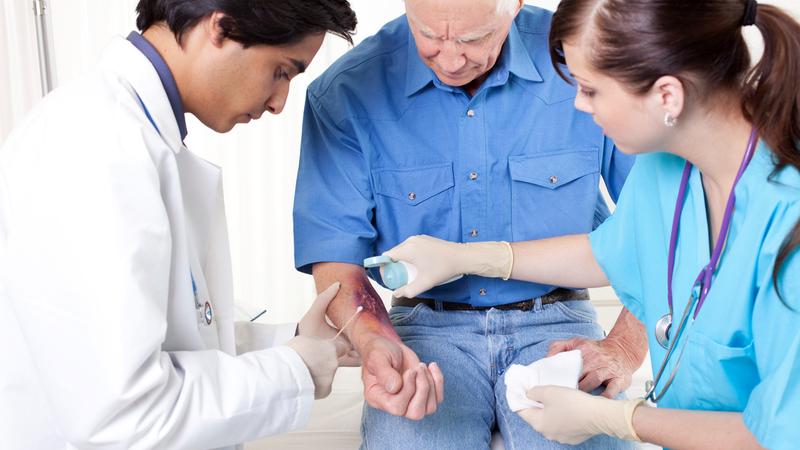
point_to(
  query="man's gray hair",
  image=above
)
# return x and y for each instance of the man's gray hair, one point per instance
(504, 6)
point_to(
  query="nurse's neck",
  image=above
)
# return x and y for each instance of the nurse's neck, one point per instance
(714, 141)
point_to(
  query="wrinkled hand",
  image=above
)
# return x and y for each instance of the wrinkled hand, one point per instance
(397, 382)
(605, 363)
(314, 324)
(570, 416)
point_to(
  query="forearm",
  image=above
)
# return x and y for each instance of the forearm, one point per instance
(565, 261)
(355, 291)
(680, 429)
(631, 337)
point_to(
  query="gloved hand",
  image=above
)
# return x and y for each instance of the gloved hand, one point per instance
(571, 416)
(314, 324)
(438, 261)
(321, 356)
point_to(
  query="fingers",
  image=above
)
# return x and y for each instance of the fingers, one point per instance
(438, 381)
(613, 388)
(563, 346)
(350, 359)
(342, 346)
(531, 415)
(537, 393)
(593, 380)
(395, 404)
(324, 299)
(417, 406)
(412, 289)
(401, 292)
(431, 404)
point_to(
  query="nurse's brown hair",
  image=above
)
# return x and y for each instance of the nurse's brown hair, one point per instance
(701, 43)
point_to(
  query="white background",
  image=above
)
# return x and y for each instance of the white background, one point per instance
(259, 160)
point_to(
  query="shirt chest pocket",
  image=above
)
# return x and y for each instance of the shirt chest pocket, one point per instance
(554, 193)
(414, 200)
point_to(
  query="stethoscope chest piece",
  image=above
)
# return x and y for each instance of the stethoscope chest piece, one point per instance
(662, 330)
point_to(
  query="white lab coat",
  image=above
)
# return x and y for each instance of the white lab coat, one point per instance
(102, 222)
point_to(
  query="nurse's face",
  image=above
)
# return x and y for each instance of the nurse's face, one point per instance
(460, 40)
(241, 84)
(634, 122)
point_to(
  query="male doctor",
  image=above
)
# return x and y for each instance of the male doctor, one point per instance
(115, 279)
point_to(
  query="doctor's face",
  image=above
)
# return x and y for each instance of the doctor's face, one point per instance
(460, 40)
(634, 122)
(243, 83)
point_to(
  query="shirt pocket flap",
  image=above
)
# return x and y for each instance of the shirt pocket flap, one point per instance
(414, 185)
(554, 170)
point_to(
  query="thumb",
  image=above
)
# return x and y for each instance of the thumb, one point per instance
(537, 394)
(322, 301)
(411, 290)
(562, 346)
(386, 375)
(401, 292)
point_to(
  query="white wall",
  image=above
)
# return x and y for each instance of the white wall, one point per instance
(260, 160)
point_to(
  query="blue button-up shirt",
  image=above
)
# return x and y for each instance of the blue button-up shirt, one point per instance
(389, 152)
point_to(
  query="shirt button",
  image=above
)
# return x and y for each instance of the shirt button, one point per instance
(471, 113)
(412, 196)
(473, 176)
(482, 292)
(553, 179)
(474, 233)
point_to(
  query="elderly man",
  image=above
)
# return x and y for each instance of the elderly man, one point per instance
(451, 122)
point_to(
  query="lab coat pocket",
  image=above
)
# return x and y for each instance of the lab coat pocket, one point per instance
(722, 376)
(414, 199)
(554, 193)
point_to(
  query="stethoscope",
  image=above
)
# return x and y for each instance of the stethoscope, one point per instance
(702, 284)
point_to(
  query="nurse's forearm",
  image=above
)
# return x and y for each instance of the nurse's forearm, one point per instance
(355, 291)
(680, 429)
(565, 261)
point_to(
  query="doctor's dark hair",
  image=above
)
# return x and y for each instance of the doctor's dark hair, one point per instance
(253, 22)
(701, 43)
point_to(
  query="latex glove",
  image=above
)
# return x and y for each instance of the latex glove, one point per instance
(395, 381)
(606, 362)
(571, 416)
(315, 324)
(321, 356)
(438, 261)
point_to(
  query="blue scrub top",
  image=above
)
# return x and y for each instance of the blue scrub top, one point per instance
(389, 152)
(743, 351)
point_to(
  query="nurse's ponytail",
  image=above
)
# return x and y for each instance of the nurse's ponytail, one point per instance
(702, 44)
(772, 101)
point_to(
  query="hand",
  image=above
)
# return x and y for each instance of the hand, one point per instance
(397, 382)
(321, 356)
(570, 416)
(605, 363)
(314, 324)
(438, 261)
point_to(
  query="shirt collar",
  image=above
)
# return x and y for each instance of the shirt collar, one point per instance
(165, 75)
(514, 58)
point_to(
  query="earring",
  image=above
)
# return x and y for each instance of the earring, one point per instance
(670, 120)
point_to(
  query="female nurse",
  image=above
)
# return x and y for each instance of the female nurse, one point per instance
(703, 245)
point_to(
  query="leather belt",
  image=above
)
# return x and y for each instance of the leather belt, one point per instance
(558, 295)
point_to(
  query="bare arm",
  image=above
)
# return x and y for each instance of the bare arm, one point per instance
(562, 261)
(681, 429)
(355, 291)
(394, 379)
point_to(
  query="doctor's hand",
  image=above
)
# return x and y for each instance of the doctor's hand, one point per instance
(397, 382)
(570, 416)
(315, 324)
(321, 357)
(438, 261)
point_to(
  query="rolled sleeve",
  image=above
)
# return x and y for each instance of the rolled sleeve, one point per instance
(334, 206)
(614, 247)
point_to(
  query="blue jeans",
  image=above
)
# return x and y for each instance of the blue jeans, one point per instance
(474, 349)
